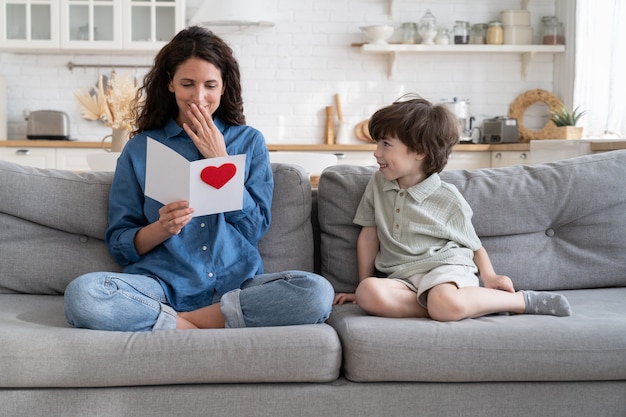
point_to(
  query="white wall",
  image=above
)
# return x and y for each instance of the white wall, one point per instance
(292, 70)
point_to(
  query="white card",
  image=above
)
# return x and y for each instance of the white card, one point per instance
(210, 186)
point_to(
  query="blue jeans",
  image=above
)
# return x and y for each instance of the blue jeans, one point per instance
(126, 302)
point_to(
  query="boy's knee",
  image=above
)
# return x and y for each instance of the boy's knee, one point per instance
(444, 306)
(368, 295)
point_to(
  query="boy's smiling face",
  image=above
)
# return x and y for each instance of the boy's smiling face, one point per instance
(399, 163)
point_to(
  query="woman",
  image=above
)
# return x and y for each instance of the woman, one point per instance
(192, 272)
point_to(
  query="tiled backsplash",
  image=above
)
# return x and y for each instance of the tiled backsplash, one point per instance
(291, 71)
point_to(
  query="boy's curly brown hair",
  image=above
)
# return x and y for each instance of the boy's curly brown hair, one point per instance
(430, 130)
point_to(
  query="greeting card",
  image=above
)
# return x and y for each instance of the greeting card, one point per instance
(213, 185)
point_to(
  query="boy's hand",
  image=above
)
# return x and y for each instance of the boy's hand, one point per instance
(499, 282)
(342, 298)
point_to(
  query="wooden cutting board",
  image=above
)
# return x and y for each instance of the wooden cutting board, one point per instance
(362, 132)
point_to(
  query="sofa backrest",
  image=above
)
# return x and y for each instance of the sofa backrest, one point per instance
(559, 225)
(52, 225)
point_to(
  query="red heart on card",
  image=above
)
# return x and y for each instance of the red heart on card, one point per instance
(217, 177)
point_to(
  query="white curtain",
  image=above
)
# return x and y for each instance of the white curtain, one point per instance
(600, 73)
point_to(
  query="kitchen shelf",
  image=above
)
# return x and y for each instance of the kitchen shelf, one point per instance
(390, 6)
(393, 50)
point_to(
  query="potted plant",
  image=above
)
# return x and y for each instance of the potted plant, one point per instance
(565, 121)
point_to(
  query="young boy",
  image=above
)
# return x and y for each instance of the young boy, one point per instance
(417, 230)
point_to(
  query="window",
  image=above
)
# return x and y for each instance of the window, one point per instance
(600, 65)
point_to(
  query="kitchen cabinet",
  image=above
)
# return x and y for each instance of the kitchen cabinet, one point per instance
(468, 160)
(72, 155)
(34, 157)
(94, 25)
(91, 24)
(68, 155)
(29, 24)
(355, 158)
(150, 24)
(507, 158)
(73, 159)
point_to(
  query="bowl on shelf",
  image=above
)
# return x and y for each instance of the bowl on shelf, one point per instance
(377, 34)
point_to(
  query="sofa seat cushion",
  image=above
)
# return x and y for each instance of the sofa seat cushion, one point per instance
(39, 349)
(590, 345)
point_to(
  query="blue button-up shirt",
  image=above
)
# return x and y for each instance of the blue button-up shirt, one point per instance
(212, 253)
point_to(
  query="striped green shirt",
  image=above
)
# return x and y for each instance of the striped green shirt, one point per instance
(419, 229)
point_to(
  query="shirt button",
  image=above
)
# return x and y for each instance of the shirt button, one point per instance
(204, 248)
(202, 224)
(397, 210)
(210, 274)
(397, 226)
(401, 193)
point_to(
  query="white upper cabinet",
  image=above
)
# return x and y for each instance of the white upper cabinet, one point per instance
(150, 24)
(91, 24)
(28, 24)
(94, 25)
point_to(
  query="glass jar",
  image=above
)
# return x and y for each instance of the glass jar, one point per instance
(478, 34)
(552, 31)
(461, 32)
(409, 32)
(495, 33)
(427, 28)
(443, 36)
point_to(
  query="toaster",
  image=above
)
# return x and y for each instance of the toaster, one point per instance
(48, 124)
(499, 130)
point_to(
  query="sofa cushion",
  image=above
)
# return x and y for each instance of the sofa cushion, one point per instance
(288, 244)
(590, 345)
(56, 220)
(339, 192)
(39, 349)
(52, 225)
(559, 225)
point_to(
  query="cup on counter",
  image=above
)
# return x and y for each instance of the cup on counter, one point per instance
(119, 137)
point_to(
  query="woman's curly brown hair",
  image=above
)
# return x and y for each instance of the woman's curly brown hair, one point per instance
(159, 104)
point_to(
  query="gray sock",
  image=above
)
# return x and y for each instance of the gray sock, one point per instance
(547, 303)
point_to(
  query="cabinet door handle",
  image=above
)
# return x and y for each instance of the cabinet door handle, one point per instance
(523, 155)
(498, 155)
(24, 152)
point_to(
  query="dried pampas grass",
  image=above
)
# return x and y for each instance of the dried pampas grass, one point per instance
(112, 105)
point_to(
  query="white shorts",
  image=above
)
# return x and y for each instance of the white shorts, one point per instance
(459, 275)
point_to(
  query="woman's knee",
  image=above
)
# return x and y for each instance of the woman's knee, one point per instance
(321, 295)
(114, 301)
(80, 297)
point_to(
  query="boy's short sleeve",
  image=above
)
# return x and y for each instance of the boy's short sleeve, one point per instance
(364, 215)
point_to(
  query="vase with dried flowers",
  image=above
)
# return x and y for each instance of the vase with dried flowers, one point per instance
(113, 105)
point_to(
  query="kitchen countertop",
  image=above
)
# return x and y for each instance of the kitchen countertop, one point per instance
(595, 146)
(272, 147)
(372, 147)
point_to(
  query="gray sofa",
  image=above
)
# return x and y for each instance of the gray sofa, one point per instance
(558, 226)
